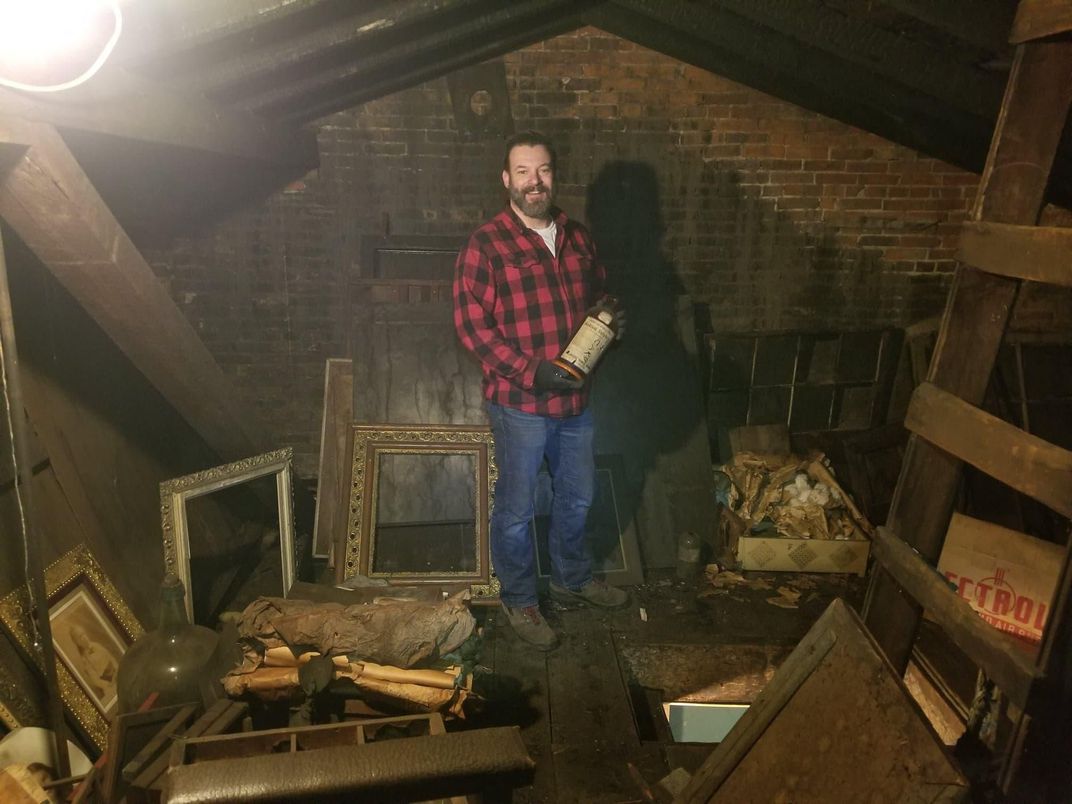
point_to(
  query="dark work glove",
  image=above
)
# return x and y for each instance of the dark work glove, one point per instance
(550, 377)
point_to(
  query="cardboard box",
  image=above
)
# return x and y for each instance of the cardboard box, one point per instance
(803, 555)
(1008, 577)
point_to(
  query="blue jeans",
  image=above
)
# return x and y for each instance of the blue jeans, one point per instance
(522, 440)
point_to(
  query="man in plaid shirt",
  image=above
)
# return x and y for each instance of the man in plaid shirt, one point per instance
(523, 283)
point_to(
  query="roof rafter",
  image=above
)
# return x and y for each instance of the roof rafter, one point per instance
(359, 34)
(727, 44)
(983, 23)
(492, 34)
(166, 30)
(913, 64)
(119, 104)
(51, 204)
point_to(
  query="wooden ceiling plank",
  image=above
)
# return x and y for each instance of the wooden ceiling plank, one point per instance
(984, 23)
(1036, 19)
(915, 65)
(729, 45)
(122, 105)
(340, 40)
(455, 55)
(51, 204)
(165, 30)
(509, 20)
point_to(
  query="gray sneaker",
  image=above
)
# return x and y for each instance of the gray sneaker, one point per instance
(530, 626)
(594, 593)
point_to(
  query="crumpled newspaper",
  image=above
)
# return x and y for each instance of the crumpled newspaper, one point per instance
(786, 495)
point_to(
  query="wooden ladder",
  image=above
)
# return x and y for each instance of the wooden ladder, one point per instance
(1000, 247)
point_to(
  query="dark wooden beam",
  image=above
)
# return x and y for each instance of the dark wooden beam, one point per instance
(1034, 253)
(984, 23)
(123, 105)
(450, 57)
(414, 62)
(914, 64)
(353, 37)
(1012, 188)
(51, 204)
(173, 30)
(729, 45)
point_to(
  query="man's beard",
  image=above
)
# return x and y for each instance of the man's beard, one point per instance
(537, 207)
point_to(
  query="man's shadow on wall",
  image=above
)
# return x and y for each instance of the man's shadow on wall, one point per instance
(646, 395)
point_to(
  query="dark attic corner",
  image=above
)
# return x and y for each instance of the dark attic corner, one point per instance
(605, 401)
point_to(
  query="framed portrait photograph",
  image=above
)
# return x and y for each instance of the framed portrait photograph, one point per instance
(89, 644)
(92, 627)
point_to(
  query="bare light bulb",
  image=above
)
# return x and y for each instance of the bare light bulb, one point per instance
(36, 34)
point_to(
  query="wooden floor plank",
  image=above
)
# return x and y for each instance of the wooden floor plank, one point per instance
(593, 735)
(520, 697)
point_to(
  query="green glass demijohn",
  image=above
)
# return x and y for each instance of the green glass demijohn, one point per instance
(171, 661)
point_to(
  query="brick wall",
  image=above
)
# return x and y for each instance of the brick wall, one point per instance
(775, 217)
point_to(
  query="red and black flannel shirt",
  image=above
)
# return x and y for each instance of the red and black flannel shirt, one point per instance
(515, 304)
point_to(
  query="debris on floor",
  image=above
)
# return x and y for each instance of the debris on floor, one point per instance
(786, 598)
(722, 581)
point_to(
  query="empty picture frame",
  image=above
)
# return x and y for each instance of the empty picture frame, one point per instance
(610, 530)
(420, 497)
(92, 627)
(176, 493)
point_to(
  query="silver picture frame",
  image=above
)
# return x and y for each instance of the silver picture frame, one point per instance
(177, 492)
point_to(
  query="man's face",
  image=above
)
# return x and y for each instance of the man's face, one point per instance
(530, 180)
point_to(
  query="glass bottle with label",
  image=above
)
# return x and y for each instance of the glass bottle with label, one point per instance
(590, 341)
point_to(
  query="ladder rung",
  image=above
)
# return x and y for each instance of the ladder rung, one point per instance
(1025, 462)
(1035, 253)
(1036, 19)
(1010, 666)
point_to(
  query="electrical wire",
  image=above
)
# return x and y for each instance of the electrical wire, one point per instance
(18, 492)
(85, 76)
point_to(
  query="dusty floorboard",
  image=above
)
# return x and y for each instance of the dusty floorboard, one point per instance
(573, 704)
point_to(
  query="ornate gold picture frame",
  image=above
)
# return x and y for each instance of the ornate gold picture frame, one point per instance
(446, 469)
(91, 629)
(176, 493)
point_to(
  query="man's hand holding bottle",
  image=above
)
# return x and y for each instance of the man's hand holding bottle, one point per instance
(550, 377)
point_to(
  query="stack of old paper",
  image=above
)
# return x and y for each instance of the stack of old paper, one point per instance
(786, 495)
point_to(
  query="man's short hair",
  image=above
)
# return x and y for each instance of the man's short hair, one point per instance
(530, 138)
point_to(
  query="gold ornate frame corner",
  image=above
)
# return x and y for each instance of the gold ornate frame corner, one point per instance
(73, 569)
